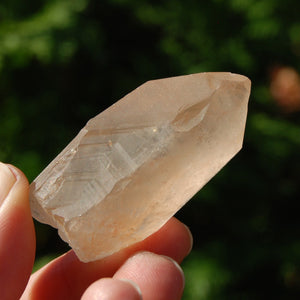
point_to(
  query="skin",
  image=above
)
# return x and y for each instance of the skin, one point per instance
(147, 270)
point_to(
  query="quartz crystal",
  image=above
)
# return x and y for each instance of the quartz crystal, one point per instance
(133, 166)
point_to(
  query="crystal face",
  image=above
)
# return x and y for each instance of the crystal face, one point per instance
(136, 164)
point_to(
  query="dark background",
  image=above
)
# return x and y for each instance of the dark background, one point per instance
(62, 62)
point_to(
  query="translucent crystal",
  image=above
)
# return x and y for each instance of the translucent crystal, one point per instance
(137, 163)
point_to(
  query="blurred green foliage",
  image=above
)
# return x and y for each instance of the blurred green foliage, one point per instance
(62, 62)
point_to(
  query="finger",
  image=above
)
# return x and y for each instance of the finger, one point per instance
(17, 237)
(157, 276)
(67, 277)
(112, 289)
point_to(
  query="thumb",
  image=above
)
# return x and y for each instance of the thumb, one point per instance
(17, 236)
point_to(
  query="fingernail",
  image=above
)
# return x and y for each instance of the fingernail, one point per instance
(134, 285)
(175, 263)
(179, 269)
(7, 180)
(191, 238)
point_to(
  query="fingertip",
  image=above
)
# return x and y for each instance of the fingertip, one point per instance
(159, 277)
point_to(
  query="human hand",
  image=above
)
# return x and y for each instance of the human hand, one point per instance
(149, 268)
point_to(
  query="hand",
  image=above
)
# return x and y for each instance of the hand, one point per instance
(149, 268)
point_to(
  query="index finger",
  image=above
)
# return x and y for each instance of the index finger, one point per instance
(67, 278)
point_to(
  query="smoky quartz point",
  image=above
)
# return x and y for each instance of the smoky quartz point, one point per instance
(134, 165)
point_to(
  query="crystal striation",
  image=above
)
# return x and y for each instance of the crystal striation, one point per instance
(137, 163)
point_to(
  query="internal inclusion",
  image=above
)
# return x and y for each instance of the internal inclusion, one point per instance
(107, 158)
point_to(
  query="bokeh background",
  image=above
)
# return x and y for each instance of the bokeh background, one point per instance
(64, 61)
